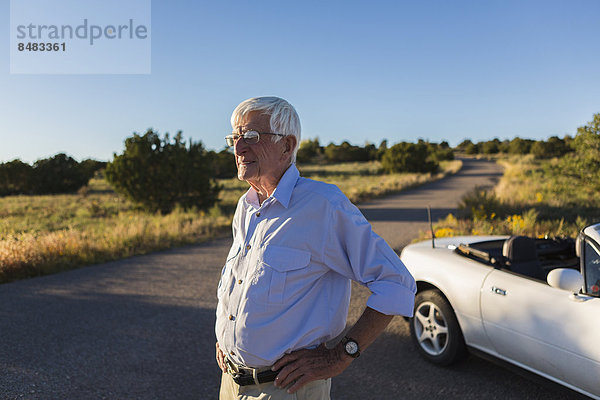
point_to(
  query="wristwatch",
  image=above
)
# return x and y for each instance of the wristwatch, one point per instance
(350, 347)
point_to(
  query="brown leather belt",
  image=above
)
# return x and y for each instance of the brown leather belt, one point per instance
(249, 376)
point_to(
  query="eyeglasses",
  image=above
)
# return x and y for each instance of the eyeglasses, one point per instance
(250, 137)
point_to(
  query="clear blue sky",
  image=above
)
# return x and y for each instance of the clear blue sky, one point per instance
(356, 71)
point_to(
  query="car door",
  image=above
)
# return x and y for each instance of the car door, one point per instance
(542, 328)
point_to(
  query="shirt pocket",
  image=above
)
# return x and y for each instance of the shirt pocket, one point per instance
(226, 273)
(282, 263)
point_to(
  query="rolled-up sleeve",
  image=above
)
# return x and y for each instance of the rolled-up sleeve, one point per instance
(356, 252)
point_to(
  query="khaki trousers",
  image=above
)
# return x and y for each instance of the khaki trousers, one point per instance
(316, 390)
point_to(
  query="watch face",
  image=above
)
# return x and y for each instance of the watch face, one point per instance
(351, 347)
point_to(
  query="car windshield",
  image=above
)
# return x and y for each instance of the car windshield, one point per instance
(592, 268)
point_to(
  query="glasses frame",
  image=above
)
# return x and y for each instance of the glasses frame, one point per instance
(248, 137)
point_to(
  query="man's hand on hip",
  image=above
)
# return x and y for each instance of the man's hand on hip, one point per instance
(221, 359)
(304, 366)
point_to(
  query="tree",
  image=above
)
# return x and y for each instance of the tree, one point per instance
(383, 146)
(15, 178)
(90, 167)
(160, 173)
(584, 162)
(520, 146)
(554, 147)
(472, 148)
(491, 147)
(439, 152)
(58, 174)
(462, 146)
(408, 157)
(346, 152)
(504, 146)
(308, 151)
(223, 164)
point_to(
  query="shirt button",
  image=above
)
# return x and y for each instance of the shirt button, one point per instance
(231, 318)
(248, 247)
(240, 282)
(232, 353)
(258, 214)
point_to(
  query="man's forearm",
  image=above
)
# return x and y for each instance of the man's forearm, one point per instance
(303, 366)
(370, 325)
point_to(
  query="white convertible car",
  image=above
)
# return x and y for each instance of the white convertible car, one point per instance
(532, 302)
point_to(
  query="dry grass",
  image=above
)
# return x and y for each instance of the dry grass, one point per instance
(45, 234)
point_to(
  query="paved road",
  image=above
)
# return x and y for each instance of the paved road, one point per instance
(142, 328)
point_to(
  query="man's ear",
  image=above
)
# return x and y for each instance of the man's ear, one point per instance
(290, 143)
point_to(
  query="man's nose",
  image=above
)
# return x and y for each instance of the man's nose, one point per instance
(239, 146)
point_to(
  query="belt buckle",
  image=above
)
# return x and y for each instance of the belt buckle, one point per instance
(232, 370)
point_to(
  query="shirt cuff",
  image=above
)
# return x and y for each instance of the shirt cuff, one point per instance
(391, 298)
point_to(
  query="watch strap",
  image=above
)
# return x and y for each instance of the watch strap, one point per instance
(345, 340)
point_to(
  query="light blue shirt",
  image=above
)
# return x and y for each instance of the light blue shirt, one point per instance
(286, 283)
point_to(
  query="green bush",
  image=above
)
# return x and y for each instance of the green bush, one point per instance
(472, 148)
(15, 178)
(346, 152)
(308, 151)
(409, 157)
(440, 152)
(584, 162)
(520, 146)
(58, 174)
(480, 204)
(223, 164)
(383, 146)
(491, 147)
(553, 147)
(90, 167)
(159, 173)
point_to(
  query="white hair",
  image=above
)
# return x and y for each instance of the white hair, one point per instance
(284, 118)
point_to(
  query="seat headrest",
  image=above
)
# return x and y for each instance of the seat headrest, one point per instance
(519, 249)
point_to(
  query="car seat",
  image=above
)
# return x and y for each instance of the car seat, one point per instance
(522, 256)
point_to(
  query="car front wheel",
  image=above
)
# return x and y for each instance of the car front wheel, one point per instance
(434, 329)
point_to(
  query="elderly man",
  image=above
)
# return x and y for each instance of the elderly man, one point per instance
(285, 287)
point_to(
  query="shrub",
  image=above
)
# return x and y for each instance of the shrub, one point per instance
(409, 157)
(440, 152)
(59, 174)
(383, 146)
(159, 174)
(472, 148)
(520, 146)
(480, 204)
(308, 151)
(223, 164)
(491, 147)
(584, 163)
(346, 152)
(554, 147)
(90, 167)
(15, 178)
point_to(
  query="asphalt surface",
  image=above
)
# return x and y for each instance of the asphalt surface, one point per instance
(142, 328)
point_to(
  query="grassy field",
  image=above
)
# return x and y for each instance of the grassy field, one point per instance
(46, 234)
(532, 198)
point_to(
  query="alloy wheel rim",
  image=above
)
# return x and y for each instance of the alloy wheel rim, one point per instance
(431, 328)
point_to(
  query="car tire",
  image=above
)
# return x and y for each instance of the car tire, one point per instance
(435, 331)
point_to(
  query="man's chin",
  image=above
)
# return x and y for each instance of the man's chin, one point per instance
(244, 176)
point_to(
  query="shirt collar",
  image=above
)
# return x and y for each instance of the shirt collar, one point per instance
(283, 191)
(286, 185)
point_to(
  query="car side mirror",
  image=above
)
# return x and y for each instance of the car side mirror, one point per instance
(565, 279)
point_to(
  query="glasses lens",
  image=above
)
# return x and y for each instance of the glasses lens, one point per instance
(230, 140)
(251, 137)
